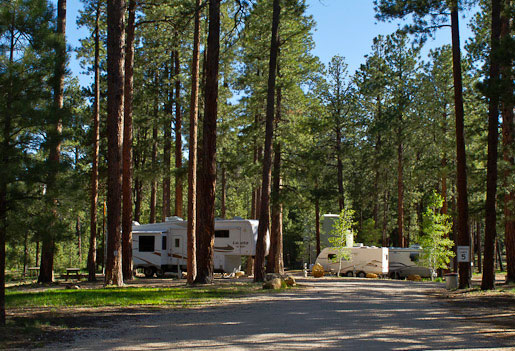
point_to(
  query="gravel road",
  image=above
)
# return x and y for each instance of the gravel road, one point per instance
(330, 314)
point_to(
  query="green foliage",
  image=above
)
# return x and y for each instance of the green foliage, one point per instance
(436, 245)
(343, 227)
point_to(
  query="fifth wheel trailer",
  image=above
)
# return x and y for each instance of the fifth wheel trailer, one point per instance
(162, 247)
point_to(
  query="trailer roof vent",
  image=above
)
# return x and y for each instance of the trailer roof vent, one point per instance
(174, 219)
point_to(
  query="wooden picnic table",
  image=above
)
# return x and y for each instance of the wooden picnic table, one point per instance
(70, 271)
(33, 270)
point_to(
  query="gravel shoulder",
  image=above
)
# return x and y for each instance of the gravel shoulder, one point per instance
(329, 314)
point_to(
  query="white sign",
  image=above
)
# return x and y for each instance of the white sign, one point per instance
(463, 253)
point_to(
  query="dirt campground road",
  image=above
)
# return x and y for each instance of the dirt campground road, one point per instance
(329, 314)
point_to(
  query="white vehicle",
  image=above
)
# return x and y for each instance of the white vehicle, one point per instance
(162, 247)
(362, 260)
(405, 262)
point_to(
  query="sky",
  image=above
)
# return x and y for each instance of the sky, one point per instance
(343, 27)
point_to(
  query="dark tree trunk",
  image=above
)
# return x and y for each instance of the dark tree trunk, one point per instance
(275, 257)
(153, 184)
(192, 166)
(339, 165)
(167, 146)
(127, 266)
(92, 253)
(317, 223)
(178, 137)
(115, 94)
(264, 213)
(478, 247)
(223, 209)
(508, 126)
(400, 189)
(208, 174)
(54, 138)
(461, 161)
(385, 220)
(488, 280)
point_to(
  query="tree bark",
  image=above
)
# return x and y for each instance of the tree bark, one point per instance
(167, 145)
(275, 257)
(178, 137)
(127, 265)
(461, 164)
(317, 223)
(92, 253)
(115, 94)
(54, 138)
(153, 185)
(208, 174)
(339, 165)
(508, 126)
(400, 190)
(264, 213)
(223, 209)
(488, 280)
(192, 166)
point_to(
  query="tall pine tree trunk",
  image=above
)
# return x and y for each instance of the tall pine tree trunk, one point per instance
(127, 266)
(488, 280)
(54, 136)
(275, 257)
(167, 145)
(153, 184)
(400, 189)
(264, 213)
(508, 126)
(92, 253)
(178, 137)
(192, 166)
(115, 94)
(461, 160)
(339, 165)
(206, 219)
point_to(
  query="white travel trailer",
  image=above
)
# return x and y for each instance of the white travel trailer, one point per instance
(362, 260)
(162, 247)
(405, 262)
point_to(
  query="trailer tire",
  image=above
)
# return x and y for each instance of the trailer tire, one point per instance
(361, 274)
(160, 273)
(349, 274)
(149, 272)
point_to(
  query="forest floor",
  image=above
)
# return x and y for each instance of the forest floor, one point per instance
(330, 313)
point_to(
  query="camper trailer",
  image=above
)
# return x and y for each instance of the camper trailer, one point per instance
(361, 260)
(162, 247)
(405, 262)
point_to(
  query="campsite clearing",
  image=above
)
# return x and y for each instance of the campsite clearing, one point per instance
(329, 314)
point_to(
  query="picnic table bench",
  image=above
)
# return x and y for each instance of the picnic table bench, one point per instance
(33, 271)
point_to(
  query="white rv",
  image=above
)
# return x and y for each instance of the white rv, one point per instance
(405, 262)
(362, 260)
(162, 247)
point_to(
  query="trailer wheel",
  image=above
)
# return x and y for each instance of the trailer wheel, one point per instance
(349, 274)
(361, 274)
(160, 273)
(149, 272)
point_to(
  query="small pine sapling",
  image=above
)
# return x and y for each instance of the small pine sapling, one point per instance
(436, 245)
(338, 240)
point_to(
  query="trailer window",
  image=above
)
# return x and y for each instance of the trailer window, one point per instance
(413, 256)
(177, 242)
(331, 256)
(164, 243)
(221, 233)
(146, 243)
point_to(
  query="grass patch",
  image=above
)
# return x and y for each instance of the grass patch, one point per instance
(126, 296)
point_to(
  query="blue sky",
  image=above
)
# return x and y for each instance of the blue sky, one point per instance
(344, 27)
